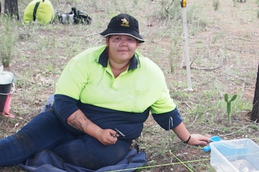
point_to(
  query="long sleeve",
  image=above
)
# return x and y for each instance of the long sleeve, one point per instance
(168, 120)
(63, 107)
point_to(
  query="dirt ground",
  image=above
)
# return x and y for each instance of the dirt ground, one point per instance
(240, 41)
(224, 57)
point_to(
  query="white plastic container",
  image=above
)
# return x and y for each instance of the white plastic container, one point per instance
(240, 155)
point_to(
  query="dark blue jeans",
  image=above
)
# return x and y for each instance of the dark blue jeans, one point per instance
(45, 131)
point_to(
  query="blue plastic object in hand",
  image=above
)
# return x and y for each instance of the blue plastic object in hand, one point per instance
(212, 139)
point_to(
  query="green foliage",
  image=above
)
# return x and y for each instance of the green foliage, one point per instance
(172, 11)
(216, 4)
(174, 52)
(8, 40)
(229, 105)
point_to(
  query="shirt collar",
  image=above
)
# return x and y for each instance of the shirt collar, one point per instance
(103, 60)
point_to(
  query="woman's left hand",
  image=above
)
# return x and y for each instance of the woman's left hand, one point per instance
(198, 139)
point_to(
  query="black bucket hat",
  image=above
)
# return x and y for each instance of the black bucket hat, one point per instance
(123, 24)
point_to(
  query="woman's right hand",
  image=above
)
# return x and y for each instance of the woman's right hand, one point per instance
(107, 136)
(79, 121)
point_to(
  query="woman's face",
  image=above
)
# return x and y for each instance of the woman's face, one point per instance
(121, 47)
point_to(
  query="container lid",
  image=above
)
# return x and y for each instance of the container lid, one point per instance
(6, 77)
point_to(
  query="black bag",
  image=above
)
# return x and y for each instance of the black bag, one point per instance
(75, 16)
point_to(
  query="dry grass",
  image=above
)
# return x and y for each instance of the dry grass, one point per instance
(223, 52)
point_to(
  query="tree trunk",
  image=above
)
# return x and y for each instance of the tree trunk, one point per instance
(11, 8)
(255, 110)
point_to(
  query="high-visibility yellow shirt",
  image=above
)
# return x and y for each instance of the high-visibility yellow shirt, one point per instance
(89, 78)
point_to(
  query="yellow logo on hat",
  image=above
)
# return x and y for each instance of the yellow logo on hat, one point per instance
(125, 22)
